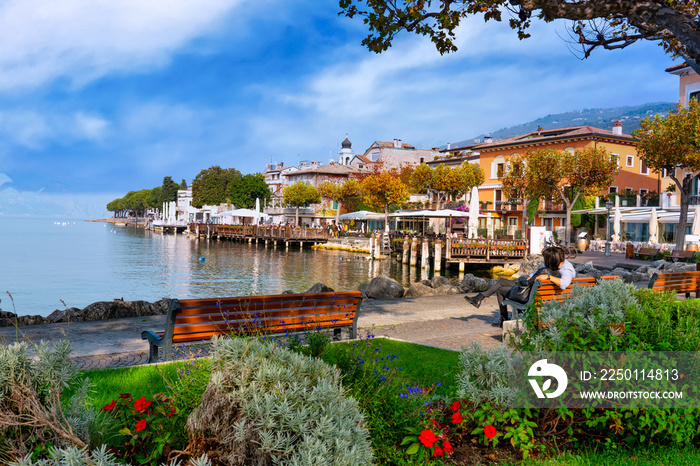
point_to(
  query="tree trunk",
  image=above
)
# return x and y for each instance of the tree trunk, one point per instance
(386, 217)
(568, 222)
(683, 215)
(523, 227)
(337, 213)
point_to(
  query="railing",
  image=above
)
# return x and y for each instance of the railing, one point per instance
(693, 200)
(283, 232)
(551, 206)
(488, 248)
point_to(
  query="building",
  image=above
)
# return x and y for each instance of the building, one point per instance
(392, 155)
(493, 156)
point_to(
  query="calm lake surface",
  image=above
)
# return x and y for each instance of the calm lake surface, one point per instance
(47, 264)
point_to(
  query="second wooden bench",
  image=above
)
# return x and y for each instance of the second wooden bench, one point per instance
(680, 282)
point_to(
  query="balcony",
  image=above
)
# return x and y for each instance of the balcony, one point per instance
(551, 206)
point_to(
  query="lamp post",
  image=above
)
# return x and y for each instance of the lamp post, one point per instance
(609, 206)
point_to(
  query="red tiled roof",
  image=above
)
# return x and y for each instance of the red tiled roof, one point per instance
(391, 144)
(552, 134)
(363, 158)
(677, 67)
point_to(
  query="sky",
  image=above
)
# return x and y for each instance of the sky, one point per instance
(98, 98)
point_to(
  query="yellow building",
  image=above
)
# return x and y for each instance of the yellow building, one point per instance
(493, 157)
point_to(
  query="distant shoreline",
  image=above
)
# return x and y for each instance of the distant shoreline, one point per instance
(140, 222)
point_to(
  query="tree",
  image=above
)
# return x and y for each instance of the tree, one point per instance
(519, 184)
(339, 192)
(596, 23)
(380, 190)
(183, 184)
(670, 143)
(569, 175)
(168, 192)
(210, 186)
(300, 194)
(446, 182)
(244, 190)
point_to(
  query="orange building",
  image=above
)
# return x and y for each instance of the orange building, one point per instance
(634, 177)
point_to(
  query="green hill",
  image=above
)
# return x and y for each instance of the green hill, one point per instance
(630, 118)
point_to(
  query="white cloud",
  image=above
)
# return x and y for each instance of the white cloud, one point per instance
(82, 40)
(90, 126)
(4, 179)
(61, 205)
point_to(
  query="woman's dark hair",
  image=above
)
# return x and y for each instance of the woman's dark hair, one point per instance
(553, 256)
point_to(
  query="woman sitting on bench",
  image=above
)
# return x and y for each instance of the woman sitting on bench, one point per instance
(555, 268)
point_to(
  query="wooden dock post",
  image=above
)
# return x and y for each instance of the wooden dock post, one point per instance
(438, 256)
(461, 267)
(414, 252)
(406, 250)
(425, 254)
(377, 246)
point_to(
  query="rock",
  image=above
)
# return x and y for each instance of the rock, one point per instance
(287, 292)
(472, 284)
(116, 309)
(643, 269)
(448, 289)
(320, 288)
(383, 287)
(659, 264)
(529, 265)
(439, 280)
(650, 272)
(419, 289)
(363, 289)
(427, 283)
(679, 267)
(624, 274)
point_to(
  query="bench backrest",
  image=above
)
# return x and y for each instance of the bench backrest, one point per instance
(545, 290)
(648, 252)
(200, 319)
(681, 282)
(680, 254)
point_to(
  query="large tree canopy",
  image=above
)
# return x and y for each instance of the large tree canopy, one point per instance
(596, 23)
(670, 143)
(244, 190)
(300, 194)
(210, 186)
(446, 182)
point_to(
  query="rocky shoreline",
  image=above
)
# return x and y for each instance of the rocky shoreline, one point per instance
(381, 287)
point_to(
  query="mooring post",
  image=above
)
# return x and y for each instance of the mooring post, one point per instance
(461, 267)
(425, 254)
(406, 249)
(414, 252)
(438, 256)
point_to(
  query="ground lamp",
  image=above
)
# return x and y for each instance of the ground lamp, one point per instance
(609, 206)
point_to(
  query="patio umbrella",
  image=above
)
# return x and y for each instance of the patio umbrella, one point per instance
(474, 213)
(616, 225)
(695, 230)
(653, 227)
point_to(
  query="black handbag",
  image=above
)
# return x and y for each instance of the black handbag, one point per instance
(520, 292)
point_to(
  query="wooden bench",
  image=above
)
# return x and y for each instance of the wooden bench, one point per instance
(680, 282)
(653, 253)
(545, 290)
(682, 255)
(196, 320)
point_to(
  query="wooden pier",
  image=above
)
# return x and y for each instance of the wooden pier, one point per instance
(270, 234)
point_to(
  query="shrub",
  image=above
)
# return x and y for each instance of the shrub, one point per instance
(663, 323)
(267, 405)
(79, 457)
(486, 375)
(31, 413)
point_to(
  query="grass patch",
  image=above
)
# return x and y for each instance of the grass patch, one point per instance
(660, 456)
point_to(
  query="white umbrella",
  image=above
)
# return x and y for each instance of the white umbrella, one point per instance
(695, 230)
(474, 213)
(616, 225)
(653, 227)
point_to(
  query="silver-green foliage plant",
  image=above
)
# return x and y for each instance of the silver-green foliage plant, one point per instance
(486, 375)
(266, 405)
(31, 407)
(73, 456)
(599, 309)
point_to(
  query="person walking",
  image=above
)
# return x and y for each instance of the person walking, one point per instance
(555, 268)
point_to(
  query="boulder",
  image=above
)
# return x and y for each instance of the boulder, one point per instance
(419, 289)
(116, 309)
(643, 269)
(447, 289)
(679, 267)
(320, 288)
(659, 264)
(383, 287)
(427, 283)
(650, 272)
(363, 289)
(439, 280)
(472, 284)
(624, 274)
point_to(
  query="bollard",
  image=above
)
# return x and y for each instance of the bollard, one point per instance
(406, 250)
(438, 256)
(461, 267)
(378, 247)
(414, 252)
(425, 254)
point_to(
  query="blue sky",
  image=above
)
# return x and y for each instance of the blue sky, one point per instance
(98, 97)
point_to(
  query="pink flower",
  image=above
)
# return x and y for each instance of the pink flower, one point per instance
(427, 438)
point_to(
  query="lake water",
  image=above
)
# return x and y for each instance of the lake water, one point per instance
(46, 264)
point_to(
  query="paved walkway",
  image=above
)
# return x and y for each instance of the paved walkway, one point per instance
(443, 321)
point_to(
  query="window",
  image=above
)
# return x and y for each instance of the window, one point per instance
(500, 170)
(666, 173)
(612, 189)
(498, 167)
(548, 224)
(498, 196)
(644, 170)
(616, 158)
(642, 191)
(694, 95)
(630, 160)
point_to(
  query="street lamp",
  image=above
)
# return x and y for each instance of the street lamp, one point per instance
(609, 206)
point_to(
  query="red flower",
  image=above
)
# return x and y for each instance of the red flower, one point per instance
(110, 406)
(437, 451)
(489, 431)
(457, 418)
(140, 425)
(456, 405)
(447, 446)
(124, 395)
(427, 438)
(141, 404)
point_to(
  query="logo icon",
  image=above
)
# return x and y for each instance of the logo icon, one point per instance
(543, 369)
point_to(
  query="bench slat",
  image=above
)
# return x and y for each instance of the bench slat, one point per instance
(257, 307)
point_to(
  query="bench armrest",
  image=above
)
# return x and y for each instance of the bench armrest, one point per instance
(152, 337)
